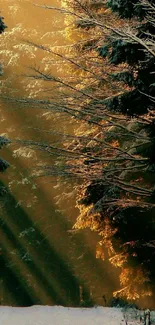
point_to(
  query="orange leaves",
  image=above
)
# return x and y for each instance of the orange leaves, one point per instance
(134, 284)
(115, 143)
(100, 251)
(119, 260)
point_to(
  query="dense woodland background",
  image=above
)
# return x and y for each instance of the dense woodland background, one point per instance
(111, 155)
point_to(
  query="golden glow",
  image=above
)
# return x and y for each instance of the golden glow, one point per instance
(39, 200)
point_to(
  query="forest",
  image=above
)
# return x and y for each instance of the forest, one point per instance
(110, 156)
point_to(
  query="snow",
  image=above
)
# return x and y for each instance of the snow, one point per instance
(58, 315)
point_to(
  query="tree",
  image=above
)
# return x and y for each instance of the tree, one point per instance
(120, 204)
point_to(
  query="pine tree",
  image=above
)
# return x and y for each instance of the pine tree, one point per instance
(120, 204)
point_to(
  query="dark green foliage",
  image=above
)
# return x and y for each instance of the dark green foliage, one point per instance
(151, 129)
(97, 190)
(2, 25)
(3, 165)
(122, 51)
(148, 150)
(3, 141)
(136, 230)
(145, 82)
(126, 50)
(103, 51)
(145, 27)
(125, 76)
(130, 218)
(129, 103)
(94, 193)
(141, 76)
(126, 8)
(122, 303)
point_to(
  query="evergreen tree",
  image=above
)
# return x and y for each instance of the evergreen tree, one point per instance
(121, 201)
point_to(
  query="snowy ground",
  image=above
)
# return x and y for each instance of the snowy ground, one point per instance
(57, 315)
